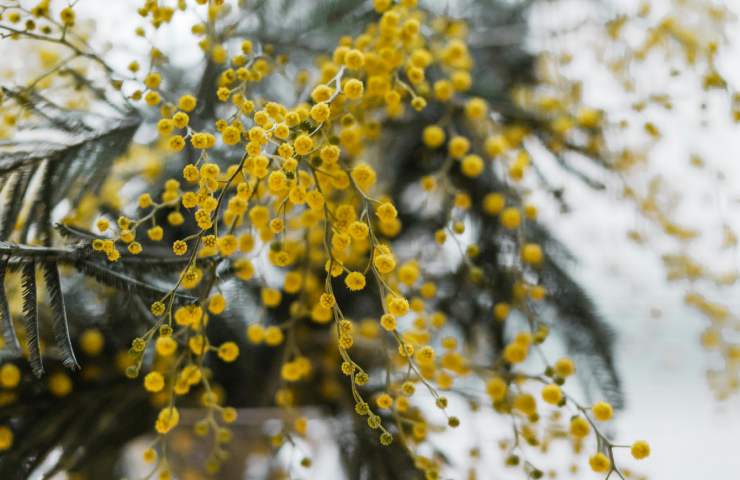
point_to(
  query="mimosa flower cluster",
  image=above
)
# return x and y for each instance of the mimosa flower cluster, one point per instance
(288, 197)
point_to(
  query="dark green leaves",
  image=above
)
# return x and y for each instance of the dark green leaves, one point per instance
(31, 317)
(9, 335)
(38, 176)
(16, 185)
(59, 314)
(59, 323)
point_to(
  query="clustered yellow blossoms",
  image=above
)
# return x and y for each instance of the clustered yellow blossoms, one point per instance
(302, 187)
(293, 184)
